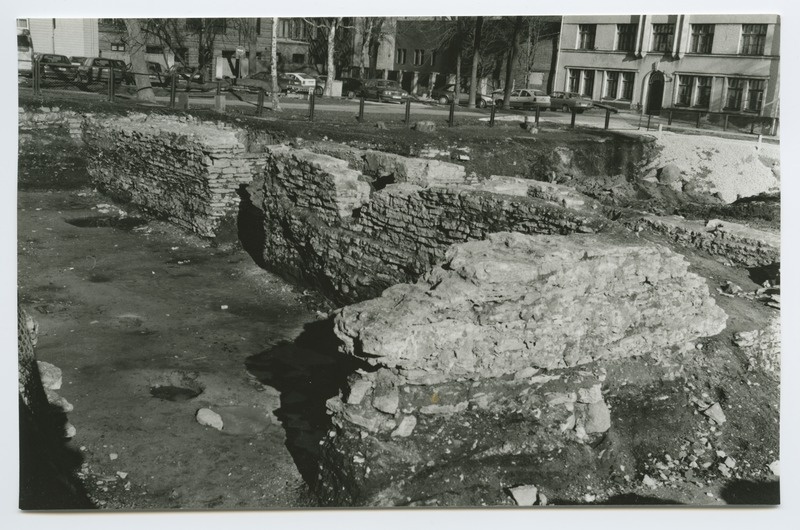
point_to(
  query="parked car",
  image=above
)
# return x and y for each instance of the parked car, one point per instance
(524, 98)
(263, 81)
(384, 90)
(322, 80)
(96, 69)
(567, 101)
(55, 66)
(445, 94)
(352, 87)
(188, 77)
(307, 82)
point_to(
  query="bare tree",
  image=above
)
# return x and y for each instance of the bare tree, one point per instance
(329, 26)
(517, 24)
(137, 41)
(276, 104)
(373, 33)
(476, 57)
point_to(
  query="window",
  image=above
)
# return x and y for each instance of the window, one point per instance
(627, 86)
(217, 25)
(401, 56)
(258, 26)
(154, 49)
(419, 57)
(574, 80)
(588, 83)
(735, 91)
(685, 85)
(299, 58)
(702, 38)
(662, 37)
(117, 46)
(626, 37)
(586, 33)
(703, 92)
(754, 39)
(755, 94)
(434, 56)
(612, 84)
(22, 23)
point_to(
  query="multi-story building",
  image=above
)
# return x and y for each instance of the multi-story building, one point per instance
(218, 44)
(713, 63)
(64, 36)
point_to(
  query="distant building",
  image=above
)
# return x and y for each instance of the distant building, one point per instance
(714, 63)
(64, 36)
(415, 52)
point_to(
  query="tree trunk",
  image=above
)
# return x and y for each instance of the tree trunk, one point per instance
(276, 104)
(252, 48)
(457, 87)
(366, 39)
(512, 55)
(144, 90)
(334, 23)
(476, 56)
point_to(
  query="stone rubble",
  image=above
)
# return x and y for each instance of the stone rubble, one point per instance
(209, 418)
(506, 324)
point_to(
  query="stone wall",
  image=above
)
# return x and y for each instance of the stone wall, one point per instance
(735, 243)
(50, 118)
(326, 224)
(185, 171)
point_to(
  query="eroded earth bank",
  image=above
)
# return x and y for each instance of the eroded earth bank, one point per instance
(245, 318)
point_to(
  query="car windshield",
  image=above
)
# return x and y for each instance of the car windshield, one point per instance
(388, 84)
(304, 76)
(538, 93)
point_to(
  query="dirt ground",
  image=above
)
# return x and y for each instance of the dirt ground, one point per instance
(133, 312)
(150, 324)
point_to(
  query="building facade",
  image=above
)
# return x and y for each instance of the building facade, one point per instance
(64, 36)
(712, 63)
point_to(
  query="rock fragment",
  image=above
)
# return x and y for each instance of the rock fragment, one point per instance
(715, 414)
(50, 375)
(524, 495)
(209, 418)
(406, 427)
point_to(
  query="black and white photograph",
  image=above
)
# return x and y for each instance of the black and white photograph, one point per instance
(291, 262)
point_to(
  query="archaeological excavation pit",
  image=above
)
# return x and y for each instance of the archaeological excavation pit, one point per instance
(367, 328)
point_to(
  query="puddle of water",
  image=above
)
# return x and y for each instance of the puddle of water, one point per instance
(174, 393)
(122, 223)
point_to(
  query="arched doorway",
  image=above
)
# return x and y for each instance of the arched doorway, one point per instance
(655, 93)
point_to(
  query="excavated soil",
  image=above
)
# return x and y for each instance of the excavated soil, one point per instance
(149, 324)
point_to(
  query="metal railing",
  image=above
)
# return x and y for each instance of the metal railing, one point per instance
(115, 82)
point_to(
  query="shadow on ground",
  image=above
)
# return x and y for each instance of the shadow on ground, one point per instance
(48, 479)
(307, 372)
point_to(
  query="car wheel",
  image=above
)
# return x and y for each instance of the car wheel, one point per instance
(565, 108)
(351, 94)
(499, 103)
(444, 100)
(318, 91)
(481, 104)
(580, 111)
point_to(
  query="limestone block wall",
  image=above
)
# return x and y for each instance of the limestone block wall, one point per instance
(50, 118)
(322, 224)
(737, 244)
(185, 171)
